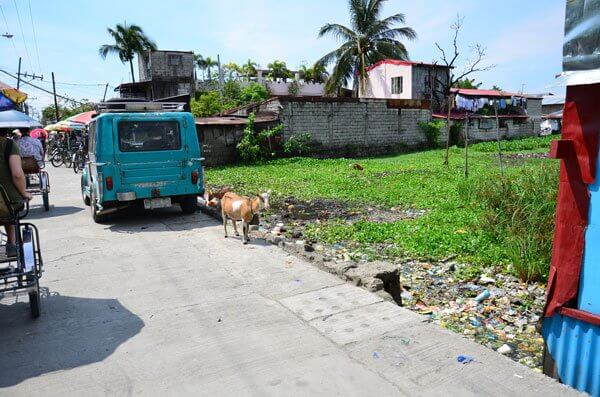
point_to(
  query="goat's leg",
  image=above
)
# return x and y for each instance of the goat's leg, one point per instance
(235, 227)
(224, 223)
(244, 233)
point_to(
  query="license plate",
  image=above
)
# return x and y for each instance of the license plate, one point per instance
(151, 204)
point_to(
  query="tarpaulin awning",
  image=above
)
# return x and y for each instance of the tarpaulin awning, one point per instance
(15, 119)
(16, 96)
(82, 118)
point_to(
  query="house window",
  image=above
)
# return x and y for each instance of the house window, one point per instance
(396, 85)
(175, 59)
(486, 124)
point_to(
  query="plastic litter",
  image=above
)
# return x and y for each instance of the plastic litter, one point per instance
(375, 355)
(505, 349)
(464, 359)
(485, 294)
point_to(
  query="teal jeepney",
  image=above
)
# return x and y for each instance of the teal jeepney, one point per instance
(144, 154)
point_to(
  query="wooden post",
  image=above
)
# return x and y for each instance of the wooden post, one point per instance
(105, 89)
(55, 101)
(498, 138)
(448, 129)
(467, 148)
(19, 75)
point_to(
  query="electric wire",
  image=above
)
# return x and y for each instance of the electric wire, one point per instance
(42, 89)
(37, 50)
(8, 31)
(23, 35)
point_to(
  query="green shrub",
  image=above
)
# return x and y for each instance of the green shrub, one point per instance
(517, 211)
(298, 144)
(432, 130)
(294, 88)
(251, 148)
(208, 104)
(232, 92)
(254, 92)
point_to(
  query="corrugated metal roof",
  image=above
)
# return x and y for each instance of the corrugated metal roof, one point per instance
(405, 63)
(553, 100)
(491, 93)
(232, 120)
(575, 348)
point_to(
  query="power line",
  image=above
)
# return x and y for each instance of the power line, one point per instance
(8, 31)
(37, 50)
(23, 34)
(42, 89)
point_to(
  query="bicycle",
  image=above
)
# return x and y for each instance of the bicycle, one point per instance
(60, 156)
(80, 157)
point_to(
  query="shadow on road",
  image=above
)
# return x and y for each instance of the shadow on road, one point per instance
(37, 212)
(71, 332)
(143, 221)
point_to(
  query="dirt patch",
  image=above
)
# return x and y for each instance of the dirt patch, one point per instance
(320, 210)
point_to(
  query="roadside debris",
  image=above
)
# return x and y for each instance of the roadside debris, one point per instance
(493, 309)
(505, 349)
(465, 359)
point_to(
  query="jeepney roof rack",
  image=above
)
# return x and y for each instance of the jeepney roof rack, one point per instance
(138, 106)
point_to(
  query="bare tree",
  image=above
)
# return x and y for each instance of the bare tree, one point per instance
(472, 65)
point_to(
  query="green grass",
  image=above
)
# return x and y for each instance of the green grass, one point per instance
(541, 144)
(457, 218)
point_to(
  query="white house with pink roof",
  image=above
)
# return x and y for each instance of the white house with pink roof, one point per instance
(394, 79)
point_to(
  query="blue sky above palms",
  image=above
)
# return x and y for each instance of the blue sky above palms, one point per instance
(524, 38)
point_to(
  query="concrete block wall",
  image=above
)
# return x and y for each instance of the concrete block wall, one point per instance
(515, 128)
(360, 127)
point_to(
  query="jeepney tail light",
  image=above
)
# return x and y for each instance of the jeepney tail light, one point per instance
(194, 177)
(109, 183)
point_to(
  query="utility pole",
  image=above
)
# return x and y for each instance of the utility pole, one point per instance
(55, 101)
(105, 89)
(19, 75)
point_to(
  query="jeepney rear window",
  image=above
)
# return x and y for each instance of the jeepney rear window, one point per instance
(144, 136)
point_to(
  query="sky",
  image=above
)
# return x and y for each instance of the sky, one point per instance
(523, 37)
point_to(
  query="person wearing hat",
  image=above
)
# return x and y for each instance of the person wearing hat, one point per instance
(16, 134)
(12, 180)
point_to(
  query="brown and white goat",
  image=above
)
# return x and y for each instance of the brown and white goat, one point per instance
(242, 208)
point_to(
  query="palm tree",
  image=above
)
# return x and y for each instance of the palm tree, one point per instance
(370, 40)
(278, 70)
(315, 74)
(232, 69)
(249, 68)
(209, 64)
(200, 64)
(129, 40)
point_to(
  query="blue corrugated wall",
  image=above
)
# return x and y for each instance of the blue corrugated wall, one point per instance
(575, 347)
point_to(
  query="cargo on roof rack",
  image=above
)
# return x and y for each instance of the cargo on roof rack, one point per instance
(130, 107)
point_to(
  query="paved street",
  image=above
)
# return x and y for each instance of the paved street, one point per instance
(161, 303)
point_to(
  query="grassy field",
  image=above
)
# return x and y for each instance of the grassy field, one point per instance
(472, 218)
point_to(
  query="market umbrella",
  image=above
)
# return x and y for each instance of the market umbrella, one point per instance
(82, 118)
(60, 126)
(14, 119)
(38, 133)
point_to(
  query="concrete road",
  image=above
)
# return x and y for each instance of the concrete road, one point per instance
(161, 304)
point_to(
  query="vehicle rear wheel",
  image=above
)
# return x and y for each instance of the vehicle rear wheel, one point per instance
(46, 200)
(188, 204)
(34, 301)
(98, 218)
